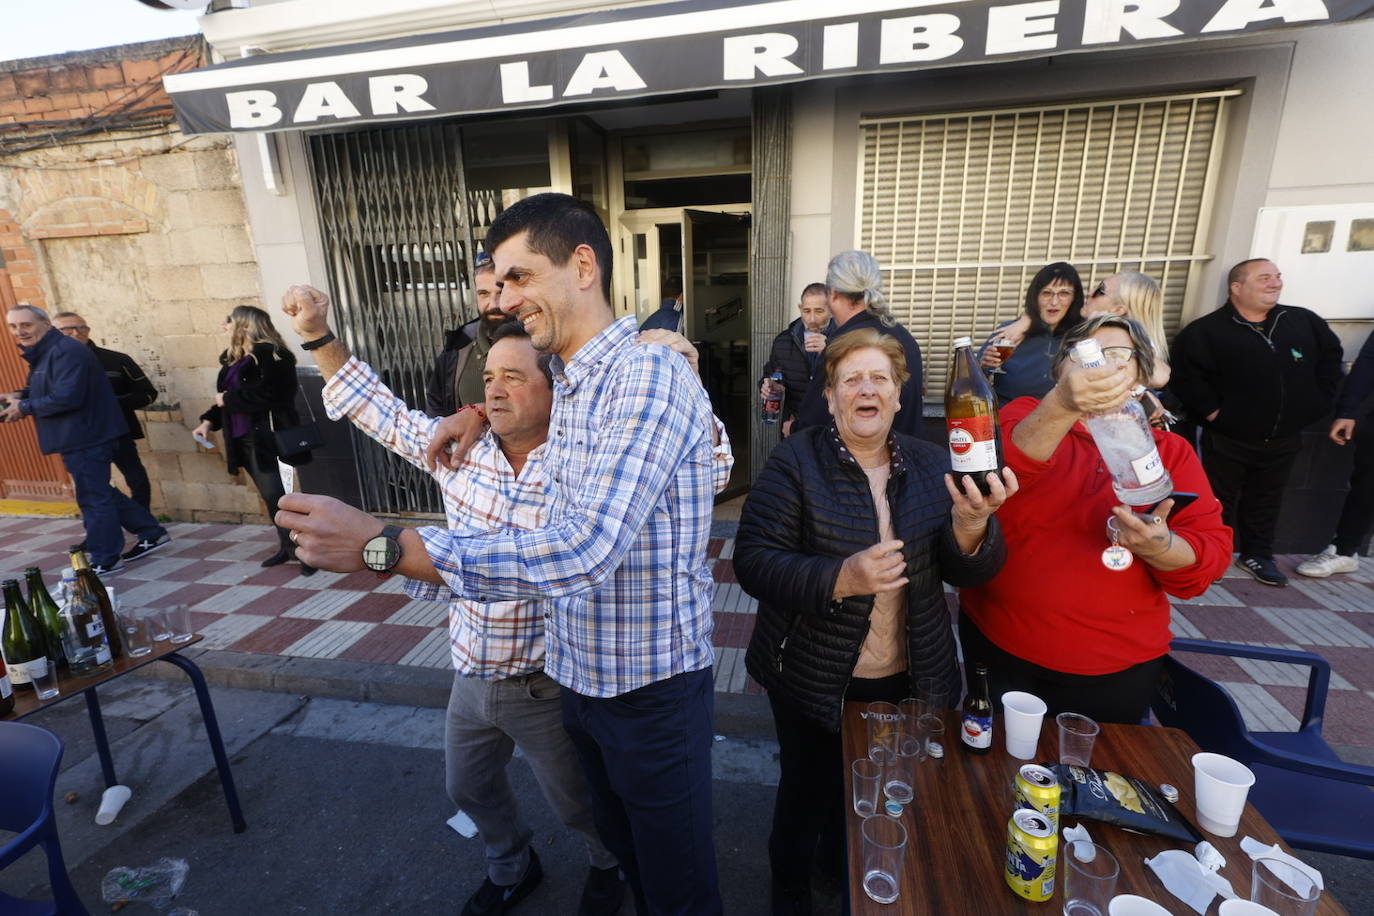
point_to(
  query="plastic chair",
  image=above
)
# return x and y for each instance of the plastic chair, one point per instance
(1312, 798)
(29, 757)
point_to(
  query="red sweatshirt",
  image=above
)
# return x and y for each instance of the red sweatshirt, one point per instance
(1054, 603)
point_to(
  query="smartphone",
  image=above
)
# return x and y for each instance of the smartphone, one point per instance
(203, 441)
(1181, 501)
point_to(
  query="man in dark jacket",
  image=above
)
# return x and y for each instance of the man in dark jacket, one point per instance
(456, 379)
(77, 417)
(1253, 374)
(797, 351)
(133, 391)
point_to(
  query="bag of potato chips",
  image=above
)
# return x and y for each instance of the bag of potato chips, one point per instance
(1123, 801)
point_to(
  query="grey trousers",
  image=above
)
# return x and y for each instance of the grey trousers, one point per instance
(487, 719)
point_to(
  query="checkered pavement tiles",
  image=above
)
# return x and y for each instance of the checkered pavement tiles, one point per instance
(239, 606)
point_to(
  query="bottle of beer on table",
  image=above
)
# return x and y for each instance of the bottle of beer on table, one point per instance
(46, 611)
(87, 577)
(975, 440)
(976, 722)
(26, 651)
(83, 629)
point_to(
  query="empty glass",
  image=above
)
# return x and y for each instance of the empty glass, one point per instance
(1076, 737)
(179, 622)
(884, 725)
(1282, 888)
(884, 841)
(135, 631)
(1089, 874)
(866, 777)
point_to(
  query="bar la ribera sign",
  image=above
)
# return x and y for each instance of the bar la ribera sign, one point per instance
(690, 46)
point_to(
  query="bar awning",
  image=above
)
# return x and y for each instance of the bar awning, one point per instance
(688, 46)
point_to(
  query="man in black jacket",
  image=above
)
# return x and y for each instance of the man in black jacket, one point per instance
(797, 351)
(456, 379)
(1253, 374)
(132, 390)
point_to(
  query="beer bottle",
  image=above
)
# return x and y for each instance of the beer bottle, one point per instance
(6, 691)
(1126, 442)
(86, 642)
(47, 614)
(975, 440)
(25, 649)
(85, 575)
(976, 731)
(772, 405)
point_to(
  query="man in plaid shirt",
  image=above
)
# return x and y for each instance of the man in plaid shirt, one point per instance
(622, 562)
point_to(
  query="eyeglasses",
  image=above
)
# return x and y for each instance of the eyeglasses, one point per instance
(1118, 354)
(1056, 294)
(74, 327)
(1100, 291)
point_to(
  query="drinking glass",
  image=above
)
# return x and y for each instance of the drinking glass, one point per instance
(135, 632)
(866, 776)
(1283, 888)
(1004, 346)
(1077, 734)
(45, 684)
(884, 840)
(931, 695)
(932, 733)
(179, 622)
(898, 781)
(1090, 874)
(884, 725)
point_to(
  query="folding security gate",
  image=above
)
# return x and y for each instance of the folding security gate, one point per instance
(398, 234)
(963, 208)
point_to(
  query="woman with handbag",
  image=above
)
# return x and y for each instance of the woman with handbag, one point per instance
(255, 402)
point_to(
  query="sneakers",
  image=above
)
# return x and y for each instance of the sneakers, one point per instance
(602, 893)
(104, 569)
(1327, 563)
(1263, 569)
(146, 546)
(495, 899)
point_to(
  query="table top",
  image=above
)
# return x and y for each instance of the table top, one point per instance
(26, 702)
(957, 827)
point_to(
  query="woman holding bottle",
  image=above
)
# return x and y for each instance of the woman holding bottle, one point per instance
(257, 390)
(1054, 303)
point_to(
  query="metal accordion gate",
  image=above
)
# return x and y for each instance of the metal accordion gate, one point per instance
(397, 227)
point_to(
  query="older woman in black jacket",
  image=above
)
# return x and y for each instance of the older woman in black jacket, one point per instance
(256, 395)
(844, 540)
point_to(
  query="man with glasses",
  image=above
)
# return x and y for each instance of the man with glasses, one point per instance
(1252, 374)
(133, 391)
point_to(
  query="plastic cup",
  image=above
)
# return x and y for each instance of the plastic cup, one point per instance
(1022, 715)
(884, 725)
(44, 683)
(867, 777)
(1090, 880)
(1076, 737)
(1131, 905)
(179, 622)
(1221, 785)
(1243, 908)
(111, 802)
(1282, 888)
(884, 842)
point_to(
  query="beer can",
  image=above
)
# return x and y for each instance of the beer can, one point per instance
(1037, 789)
(1032, 851)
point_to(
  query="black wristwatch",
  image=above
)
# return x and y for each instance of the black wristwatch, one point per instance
(382, 553)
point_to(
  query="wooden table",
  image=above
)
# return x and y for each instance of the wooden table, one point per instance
(26, 703)
(957, 825)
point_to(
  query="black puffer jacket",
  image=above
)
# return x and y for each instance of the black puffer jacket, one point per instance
(267, 394)
(810, 509)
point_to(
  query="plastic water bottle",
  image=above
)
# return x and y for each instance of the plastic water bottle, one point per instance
(772, 405)
(1126, 442)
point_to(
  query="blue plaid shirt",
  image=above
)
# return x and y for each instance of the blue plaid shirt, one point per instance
(623, 557)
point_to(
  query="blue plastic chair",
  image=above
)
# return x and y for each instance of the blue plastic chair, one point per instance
(29, 757)
(1312, 798)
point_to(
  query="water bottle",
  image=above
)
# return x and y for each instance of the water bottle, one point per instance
(1126, 442)
(772, 404)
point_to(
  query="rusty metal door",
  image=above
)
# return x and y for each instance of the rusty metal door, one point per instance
(25, 472)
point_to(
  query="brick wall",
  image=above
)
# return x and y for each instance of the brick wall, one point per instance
(107, 210)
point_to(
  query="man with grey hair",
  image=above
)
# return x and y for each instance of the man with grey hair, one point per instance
(77, 417)
(854, 282)
(133, 391)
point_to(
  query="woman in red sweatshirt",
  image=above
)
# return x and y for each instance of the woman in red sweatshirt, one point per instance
(1056, 621)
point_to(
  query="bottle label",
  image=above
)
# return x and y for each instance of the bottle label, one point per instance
(26, 672)
(977, 731)
(5, 688)
(1148, 468)
(95, 628)
(972, 444)
(102, 654)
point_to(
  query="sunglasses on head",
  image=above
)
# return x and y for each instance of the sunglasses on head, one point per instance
(1100, 291)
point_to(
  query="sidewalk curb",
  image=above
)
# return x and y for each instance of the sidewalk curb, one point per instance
(737, 715)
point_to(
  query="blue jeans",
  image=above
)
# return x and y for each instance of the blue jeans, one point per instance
(104, 510)
(647, 756)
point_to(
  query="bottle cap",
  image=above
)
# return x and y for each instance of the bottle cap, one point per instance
(892, 808)
(963, 342)
(1169, 792)
(1088, 351)
(936, 749)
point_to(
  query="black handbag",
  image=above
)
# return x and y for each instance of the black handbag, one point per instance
(297, 440)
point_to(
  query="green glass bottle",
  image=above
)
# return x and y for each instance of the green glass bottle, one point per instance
(6, 691)
(25, 649)
(47, 613)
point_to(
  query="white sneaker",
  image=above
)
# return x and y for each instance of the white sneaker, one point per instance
(1321, 565)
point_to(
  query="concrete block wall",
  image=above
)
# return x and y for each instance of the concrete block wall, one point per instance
(139, 229)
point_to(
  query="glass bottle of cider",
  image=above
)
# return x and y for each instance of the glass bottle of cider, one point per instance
(975, 440)
(86, 578)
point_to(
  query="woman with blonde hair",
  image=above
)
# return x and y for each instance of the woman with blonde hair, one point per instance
(257, 390)
(1131, 294)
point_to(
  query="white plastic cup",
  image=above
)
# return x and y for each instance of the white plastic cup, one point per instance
(1221, 786)
(1131, 905)
(1240, 907)
(1022, 715)
(111, 802)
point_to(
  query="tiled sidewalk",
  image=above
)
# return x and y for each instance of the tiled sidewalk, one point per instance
(239, 606)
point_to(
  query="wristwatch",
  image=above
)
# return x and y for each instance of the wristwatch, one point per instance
(382, 553)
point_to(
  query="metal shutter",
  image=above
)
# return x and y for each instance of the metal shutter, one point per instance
(962, 209)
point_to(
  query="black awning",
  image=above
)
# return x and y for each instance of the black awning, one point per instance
(685, 47)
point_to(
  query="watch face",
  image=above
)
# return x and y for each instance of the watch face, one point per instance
(381, 553)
